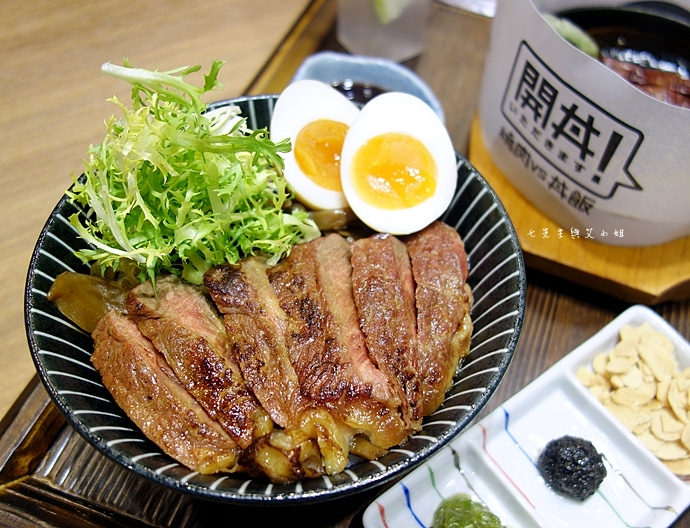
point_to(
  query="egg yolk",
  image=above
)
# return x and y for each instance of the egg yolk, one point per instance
(394, 171)
(317, 150)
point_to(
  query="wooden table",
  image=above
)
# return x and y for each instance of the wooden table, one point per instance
(53, 105)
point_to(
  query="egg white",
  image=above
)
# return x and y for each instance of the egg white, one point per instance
(299, 104)
(406, 114)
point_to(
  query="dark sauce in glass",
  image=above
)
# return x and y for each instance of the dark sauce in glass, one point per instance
(650, 49)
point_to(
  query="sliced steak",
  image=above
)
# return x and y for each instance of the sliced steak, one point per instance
(185, 327)
(343, 346)
(326, 344)
(384, 294)
(439, 267)
(143, 385)
(255, 325)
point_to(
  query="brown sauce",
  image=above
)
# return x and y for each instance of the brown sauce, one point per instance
(357, 92)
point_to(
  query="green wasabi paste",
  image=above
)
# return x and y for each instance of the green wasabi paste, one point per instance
(459, 511)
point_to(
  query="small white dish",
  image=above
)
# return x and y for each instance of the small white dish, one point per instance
(495, 460)
(334, 67)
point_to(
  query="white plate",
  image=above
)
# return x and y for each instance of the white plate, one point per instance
(494, 460)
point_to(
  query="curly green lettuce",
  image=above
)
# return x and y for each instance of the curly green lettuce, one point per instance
(177, 189)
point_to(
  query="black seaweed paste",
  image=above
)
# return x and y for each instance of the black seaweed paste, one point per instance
(572, 466)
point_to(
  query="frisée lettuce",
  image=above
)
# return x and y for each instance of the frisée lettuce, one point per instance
(176, 189)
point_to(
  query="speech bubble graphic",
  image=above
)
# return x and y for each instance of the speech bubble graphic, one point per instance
(577, 137)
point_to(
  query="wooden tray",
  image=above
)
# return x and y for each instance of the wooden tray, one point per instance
(51, 477)
(647, 275)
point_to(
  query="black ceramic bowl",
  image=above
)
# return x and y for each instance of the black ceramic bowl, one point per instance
(61, 352)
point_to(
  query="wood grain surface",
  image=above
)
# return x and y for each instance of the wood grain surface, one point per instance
(53, 101)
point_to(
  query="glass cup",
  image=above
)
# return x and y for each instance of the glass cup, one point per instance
(360, 30)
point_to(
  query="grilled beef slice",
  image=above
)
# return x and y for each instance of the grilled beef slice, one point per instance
(143, 385)
(443, 299)
(185, 327)
(255, 325)
(345, 347)
(383, 290)
(327, 347)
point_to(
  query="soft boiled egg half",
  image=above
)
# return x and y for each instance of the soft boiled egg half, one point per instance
(398, 167)
(392, 162)
(315, 117)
